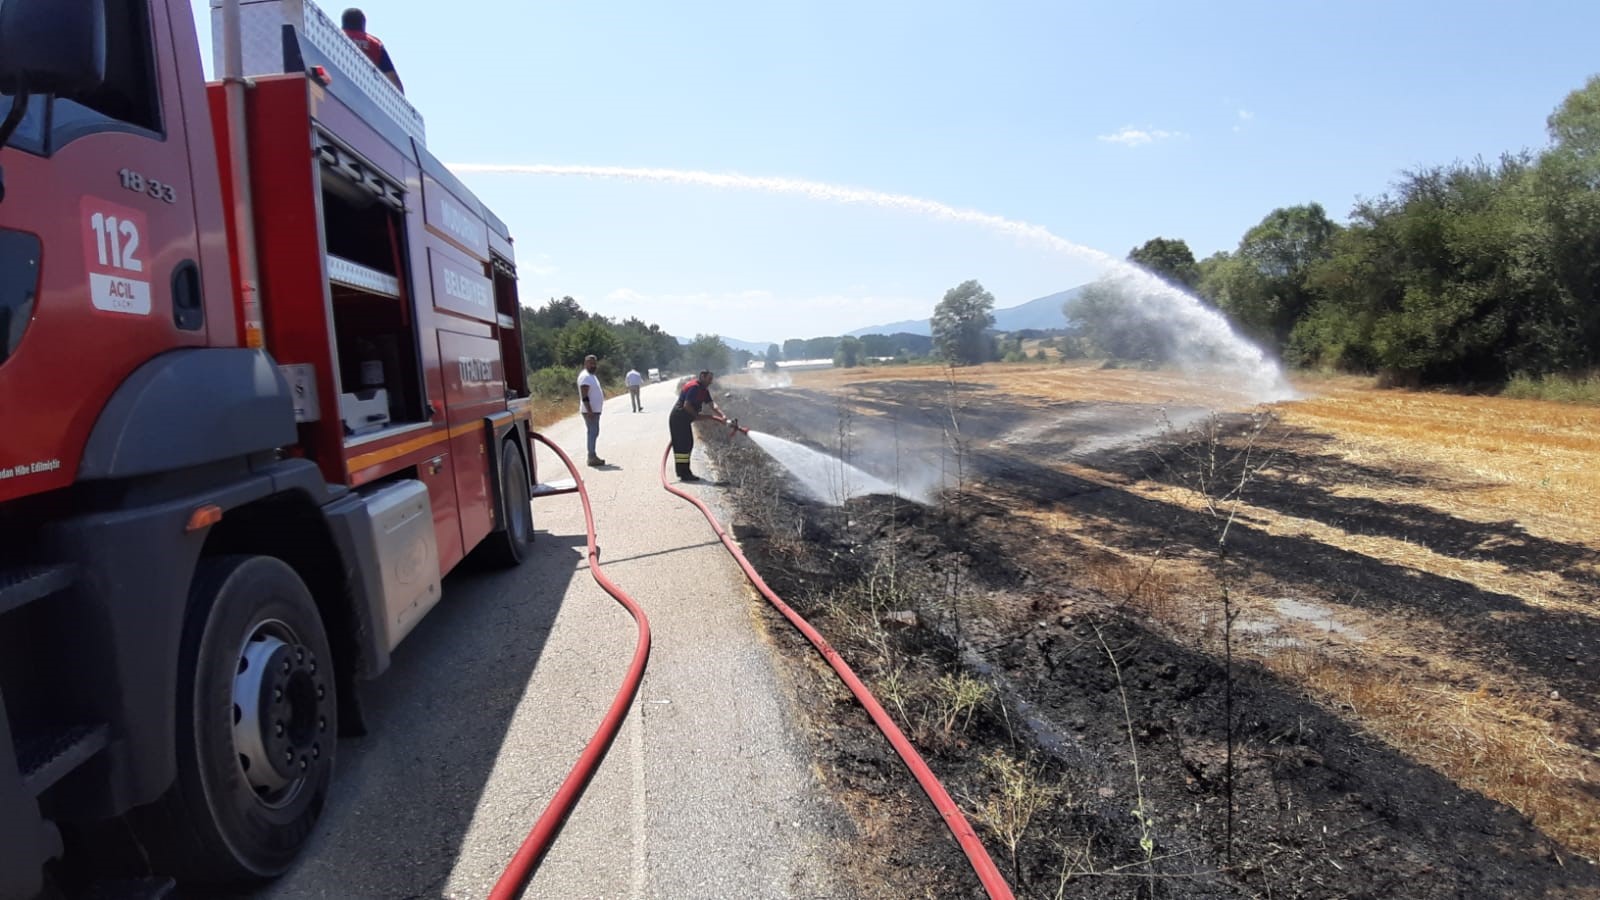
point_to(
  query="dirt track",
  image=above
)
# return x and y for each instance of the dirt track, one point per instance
(1407, 578)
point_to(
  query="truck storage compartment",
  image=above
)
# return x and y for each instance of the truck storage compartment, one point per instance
(374, 332)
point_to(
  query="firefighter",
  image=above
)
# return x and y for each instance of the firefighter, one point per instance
(695, 395)
(354, 23)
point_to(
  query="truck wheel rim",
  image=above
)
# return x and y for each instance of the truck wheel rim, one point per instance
(517, 498)
(280, 712)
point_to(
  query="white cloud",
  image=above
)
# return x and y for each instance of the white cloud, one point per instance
(1246, 115)
(1129, 136)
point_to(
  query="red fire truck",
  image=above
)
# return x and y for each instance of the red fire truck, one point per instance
(261, 387)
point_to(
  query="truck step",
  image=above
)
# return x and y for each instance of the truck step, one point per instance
(552, 488)
(21, 586)
(47, 759)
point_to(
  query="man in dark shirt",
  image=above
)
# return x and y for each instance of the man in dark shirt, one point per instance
(355, 28)
(680, 422)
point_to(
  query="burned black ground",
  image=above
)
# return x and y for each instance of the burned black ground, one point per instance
(1122, 731)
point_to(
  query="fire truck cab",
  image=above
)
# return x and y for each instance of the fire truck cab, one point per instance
(261, 386)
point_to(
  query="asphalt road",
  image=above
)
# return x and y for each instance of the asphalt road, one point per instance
(708, 790)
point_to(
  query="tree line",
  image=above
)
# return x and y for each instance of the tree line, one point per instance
(558, 335)
(1463, 273)
(852, 350)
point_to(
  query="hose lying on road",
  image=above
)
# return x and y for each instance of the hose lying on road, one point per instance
(990, 876)
(544, 832)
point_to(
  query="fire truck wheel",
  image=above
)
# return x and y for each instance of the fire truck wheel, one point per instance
(256, 726)
(509, 546)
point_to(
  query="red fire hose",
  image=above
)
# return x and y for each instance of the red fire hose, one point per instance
(537, 843)
(971, 845)
(544, 832)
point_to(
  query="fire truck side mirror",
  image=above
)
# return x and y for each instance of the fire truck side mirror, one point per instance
(52, 46)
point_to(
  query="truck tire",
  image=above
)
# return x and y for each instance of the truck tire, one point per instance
(509, 546)
(257, 720)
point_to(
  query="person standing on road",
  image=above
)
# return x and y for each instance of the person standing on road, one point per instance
(354, 22)
(590, 399)
(680, 422)
(635, 381)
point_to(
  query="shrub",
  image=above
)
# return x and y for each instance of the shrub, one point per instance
(1583, 388)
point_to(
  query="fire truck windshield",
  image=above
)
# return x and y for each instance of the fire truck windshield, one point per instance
(126, 99)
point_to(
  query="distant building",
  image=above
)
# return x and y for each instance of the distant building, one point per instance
(791, 365)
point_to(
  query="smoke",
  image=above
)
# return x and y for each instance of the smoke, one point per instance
(1189, 322)
(764, 381)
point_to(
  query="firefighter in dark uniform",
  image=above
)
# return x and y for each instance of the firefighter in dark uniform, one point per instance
(354, 23)
(694, 396)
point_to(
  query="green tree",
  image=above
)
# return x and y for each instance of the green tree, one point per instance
(644, 346)
(1566, 190)
(794, 348)
(582, 337)
(848, 353)
(556, 314)
(774, 354)
(1575, 124)
(901, 345)
(1211, 276)
(821, 347)
(538, 344)
(1451, 277)
(1171, 260)
(540, 328)
(1111, 322)
(877, 345)
(960, 324)
(1262, 286)
(706, 352)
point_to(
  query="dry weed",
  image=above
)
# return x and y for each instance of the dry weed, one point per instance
(955, 698)
(1018, 792)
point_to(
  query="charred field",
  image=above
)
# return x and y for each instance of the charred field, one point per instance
(1160, 647)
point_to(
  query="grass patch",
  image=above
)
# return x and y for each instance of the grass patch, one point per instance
(1584, 388)
(547, 411)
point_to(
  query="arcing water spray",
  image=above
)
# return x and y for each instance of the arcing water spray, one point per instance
(1200, 330)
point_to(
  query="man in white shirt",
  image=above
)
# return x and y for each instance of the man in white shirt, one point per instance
(635, 380)
(590, 399)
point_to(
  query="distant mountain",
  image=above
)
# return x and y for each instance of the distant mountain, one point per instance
(1042, 313)
(909, 326)
(756, 347)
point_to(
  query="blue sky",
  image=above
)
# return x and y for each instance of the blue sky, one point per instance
(1107, 123)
